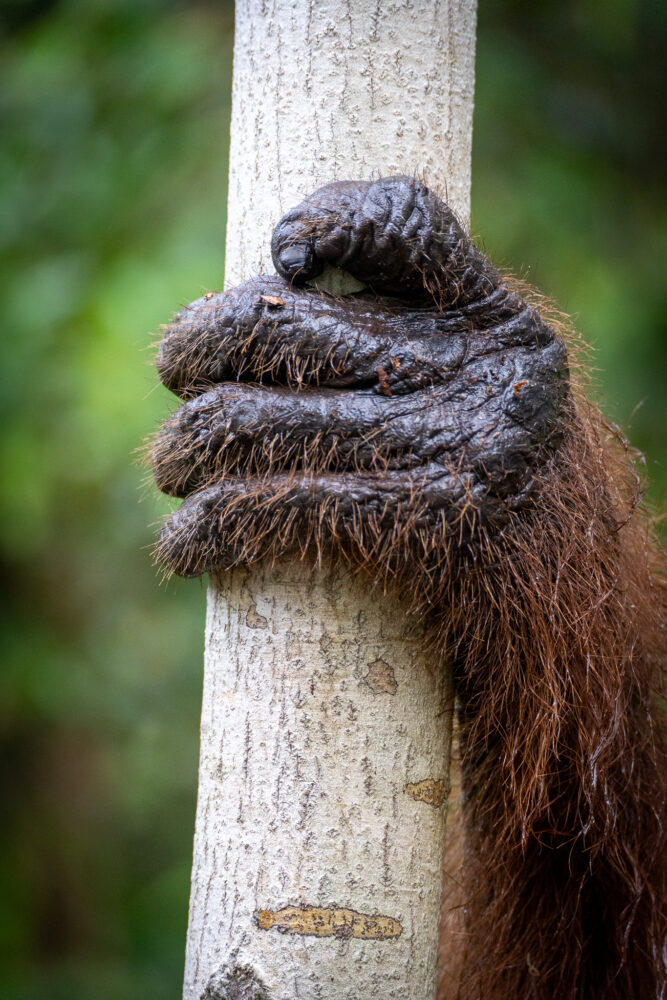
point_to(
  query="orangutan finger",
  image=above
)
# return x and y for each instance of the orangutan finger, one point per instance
(238, 429)
(263, 331)
(239, 521)
(394, 234)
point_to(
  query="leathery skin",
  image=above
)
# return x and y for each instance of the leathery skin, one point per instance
(431, 396)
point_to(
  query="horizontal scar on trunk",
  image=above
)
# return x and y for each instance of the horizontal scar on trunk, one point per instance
(316, 921)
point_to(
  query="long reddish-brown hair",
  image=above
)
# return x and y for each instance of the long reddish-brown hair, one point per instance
(556, 630)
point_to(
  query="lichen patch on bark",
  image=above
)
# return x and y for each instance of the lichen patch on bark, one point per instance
(316, 921)
(432, 791)
(381, 678)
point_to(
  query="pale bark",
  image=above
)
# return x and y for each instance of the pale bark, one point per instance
(325, 723)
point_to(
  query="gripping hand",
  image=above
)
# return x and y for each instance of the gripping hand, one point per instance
(393, 421)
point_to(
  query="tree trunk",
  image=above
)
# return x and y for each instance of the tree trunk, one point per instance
(326, 727)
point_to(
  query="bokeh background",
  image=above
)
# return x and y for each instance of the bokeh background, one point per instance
(113, 160)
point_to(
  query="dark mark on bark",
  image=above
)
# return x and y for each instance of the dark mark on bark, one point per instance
(235, 983)
(380, 678)
(431, 791)
(255, 620)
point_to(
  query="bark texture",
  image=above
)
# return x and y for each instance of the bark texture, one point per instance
(325, 729)
(332, 90)
(325, 737)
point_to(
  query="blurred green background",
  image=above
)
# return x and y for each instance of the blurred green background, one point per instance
(113, 158)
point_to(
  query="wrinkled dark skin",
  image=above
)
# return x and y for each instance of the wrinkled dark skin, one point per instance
(433, 395)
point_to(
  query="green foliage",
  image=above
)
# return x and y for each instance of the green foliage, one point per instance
(113, 167)
(568, 184)
(114, 119)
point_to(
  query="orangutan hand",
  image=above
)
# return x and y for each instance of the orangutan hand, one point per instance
(392, 421)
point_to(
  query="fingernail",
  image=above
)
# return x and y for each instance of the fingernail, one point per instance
(298, 258)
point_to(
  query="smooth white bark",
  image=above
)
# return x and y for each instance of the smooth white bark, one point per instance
(325, 726)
